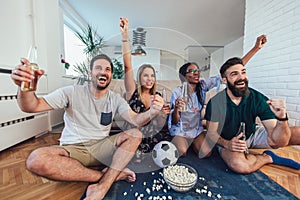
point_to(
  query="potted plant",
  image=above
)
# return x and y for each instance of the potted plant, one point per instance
(93, 44)
(118, 69)
(92, 41)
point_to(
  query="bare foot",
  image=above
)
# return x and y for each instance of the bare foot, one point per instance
(126, 175)
(95, 192)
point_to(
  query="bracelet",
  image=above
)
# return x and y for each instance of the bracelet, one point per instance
(126, 40)
(282, 119)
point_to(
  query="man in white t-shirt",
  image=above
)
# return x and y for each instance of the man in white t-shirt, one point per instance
(85, 140)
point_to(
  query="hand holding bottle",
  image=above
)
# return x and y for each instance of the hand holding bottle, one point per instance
(166, 107)
(183, 100)
(242, 135)
(156, 103)
(32, 65)
(22, 73)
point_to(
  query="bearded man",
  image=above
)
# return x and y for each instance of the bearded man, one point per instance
(240, 103)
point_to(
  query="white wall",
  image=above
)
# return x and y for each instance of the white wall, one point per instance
(16, 31)
(233, 49)
(169, 65)
(28, 22)
(217, 59)
(275, 69)
(50, 40)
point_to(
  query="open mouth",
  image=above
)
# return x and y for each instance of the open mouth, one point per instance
(149, 83)
(102, 79)
(240, 84)
(196, 78)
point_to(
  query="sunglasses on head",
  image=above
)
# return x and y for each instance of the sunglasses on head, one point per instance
(193, 71)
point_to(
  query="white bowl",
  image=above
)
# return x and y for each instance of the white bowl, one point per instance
(177, 182)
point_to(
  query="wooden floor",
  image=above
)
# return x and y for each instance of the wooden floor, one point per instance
(17, 183)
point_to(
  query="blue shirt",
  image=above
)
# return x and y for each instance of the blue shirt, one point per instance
(190, 120)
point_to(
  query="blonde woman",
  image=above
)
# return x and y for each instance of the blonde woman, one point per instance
(141, 93)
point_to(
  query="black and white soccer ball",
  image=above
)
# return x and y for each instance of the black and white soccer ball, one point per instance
(164, 154)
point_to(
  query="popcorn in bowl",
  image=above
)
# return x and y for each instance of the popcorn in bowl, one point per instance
(180, 177)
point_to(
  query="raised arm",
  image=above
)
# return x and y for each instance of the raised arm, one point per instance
(260, 41)
(28, 101)
(278, 130)
(126, 51)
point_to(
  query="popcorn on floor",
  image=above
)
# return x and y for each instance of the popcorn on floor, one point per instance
(158, 184)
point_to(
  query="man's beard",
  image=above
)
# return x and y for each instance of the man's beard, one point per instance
(102, 87)
(238, 92)
(98, 87)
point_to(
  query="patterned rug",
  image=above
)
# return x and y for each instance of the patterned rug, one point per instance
(216, 181)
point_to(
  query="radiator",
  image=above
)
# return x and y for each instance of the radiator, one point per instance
(15, 125)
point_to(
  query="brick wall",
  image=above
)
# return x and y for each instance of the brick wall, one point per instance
(275, 70)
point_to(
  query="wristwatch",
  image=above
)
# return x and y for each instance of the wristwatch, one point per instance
(282, 119)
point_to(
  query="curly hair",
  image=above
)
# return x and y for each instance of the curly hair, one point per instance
(198, 89)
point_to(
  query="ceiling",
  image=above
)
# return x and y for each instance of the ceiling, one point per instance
(172, 25)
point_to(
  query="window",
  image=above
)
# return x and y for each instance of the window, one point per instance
(73, 50)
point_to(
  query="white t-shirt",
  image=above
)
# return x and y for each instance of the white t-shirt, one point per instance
(86, 118)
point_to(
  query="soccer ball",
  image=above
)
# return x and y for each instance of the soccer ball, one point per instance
(164, 154)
